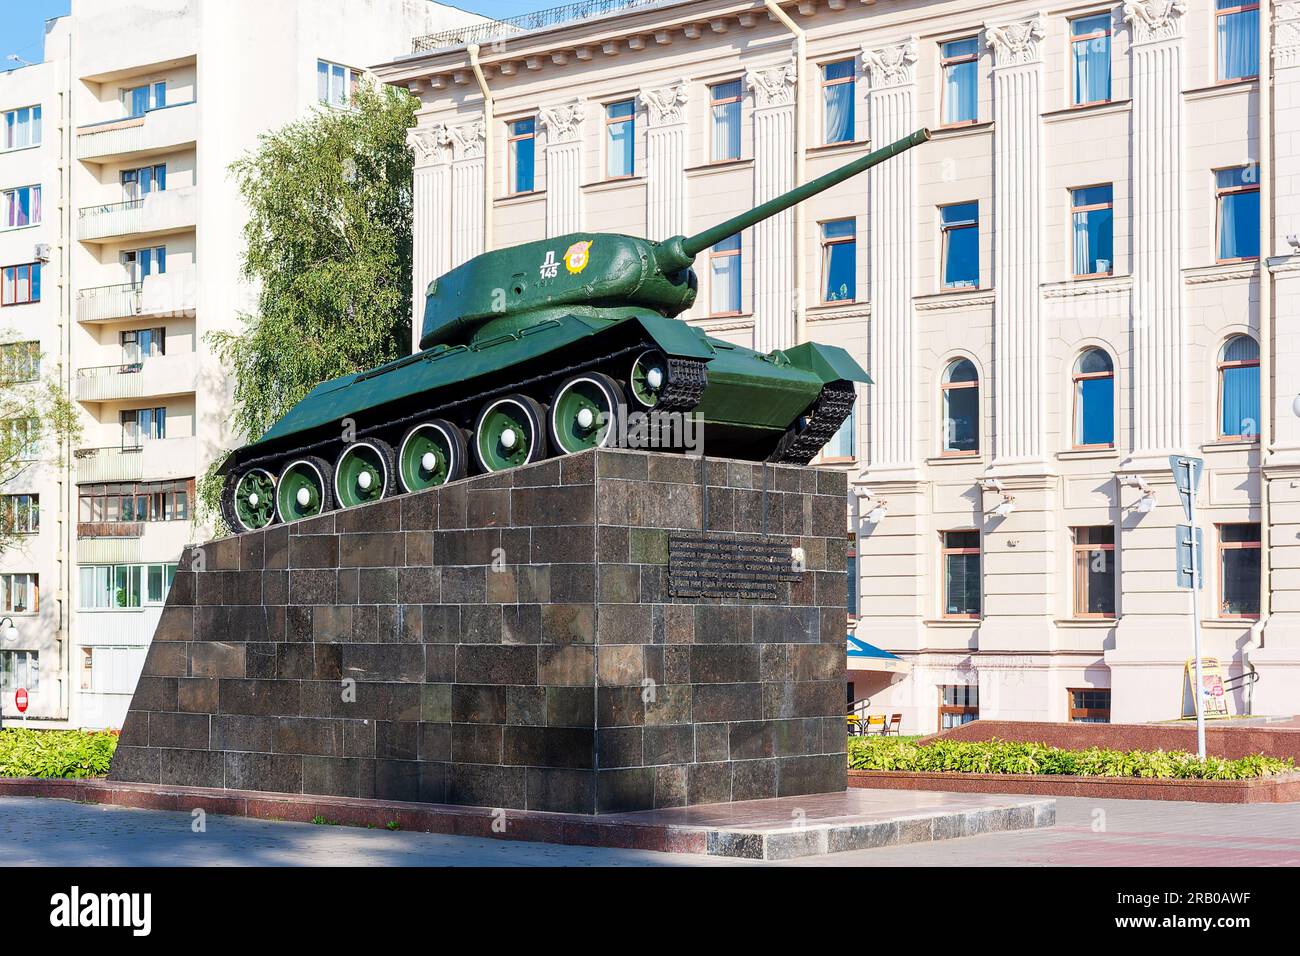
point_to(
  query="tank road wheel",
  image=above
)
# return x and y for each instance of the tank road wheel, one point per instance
(585, 413)
(510, 432)
(248, 500)
(366, 472)
(433, 453)
(648, 378)
(305, 490)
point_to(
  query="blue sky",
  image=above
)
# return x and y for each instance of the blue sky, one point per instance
(23, 21)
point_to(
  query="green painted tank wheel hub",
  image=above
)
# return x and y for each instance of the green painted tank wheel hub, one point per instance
(302, 491)
(584, 413)
(361, 475)
(255, 499)
(648, 378)
(510, 432)
(430, 456)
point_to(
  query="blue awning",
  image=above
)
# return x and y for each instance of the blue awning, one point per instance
(868, 657)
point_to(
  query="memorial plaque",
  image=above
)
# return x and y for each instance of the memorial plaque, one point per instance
(725, 566)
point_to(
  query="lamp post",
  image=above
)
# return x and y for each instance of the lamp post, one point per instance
(8, 631)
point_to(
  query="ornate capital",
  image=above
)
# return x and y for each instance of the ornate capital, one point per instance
(467, 140)
(665, 105)
(1286, 35)
(772, 85)
(1016, 43)
(892, 65)
(431, 144)
(563, 121)
(1155, 19)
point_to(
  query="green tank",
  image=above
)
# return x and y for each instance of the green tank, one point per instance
(550, 348)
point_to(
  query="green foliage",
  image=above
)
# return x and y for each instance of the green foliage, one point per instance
(1002, 756)
(55, 753)
(207, 489)
(328, 248)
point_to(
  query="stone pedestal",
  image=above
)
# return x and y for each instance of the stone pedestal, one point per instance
(509, 641)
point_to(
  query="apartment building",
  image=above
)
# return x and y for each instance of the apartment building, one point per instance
(1086, 271)
(154, 99)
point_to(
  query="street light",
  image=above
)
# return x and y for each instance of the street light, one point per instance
(8, 630)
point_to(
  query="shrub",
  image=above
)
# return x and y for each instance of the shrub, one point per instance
(55, 753)
(1005, 756)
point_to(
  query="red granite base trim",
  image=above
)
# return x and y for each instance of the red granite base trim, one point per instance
(1283, 789)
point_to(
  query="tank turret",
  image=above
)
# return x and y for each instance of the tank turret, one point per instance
(549, 348)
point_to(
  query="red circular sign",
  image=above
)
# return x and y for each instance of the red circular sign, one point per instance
(20, 700)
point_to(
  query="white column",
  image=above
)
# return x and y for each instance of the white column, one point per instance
(1159, 336)
(563, 125)
(431, 214)
(665, 164)
(1018, 340)
(466, 191)
(892, 327)
(773, 239)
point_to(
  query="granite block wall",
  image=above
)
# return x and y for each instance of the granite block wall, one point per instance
(508, 641)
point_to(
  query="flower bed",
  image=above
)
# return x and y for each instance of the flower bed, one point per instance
(55, 753)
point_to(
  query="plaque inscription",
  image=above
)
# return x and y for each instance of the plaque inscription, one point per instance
(725, 566)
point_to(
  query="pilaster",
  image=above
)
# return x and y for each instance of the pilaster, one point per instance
(467, 184)
(773, 239)
(563, 126)
(431, 208)
(665, 164)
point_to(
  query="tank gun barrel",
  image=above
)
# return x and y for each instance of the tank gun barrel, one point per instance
(694, 245)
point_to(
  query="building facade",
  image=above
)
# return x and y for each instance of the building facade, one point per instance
(144, 107)
(1087, 271)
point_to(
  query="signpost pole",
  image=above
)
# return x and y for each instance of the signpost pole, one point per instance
(1198, 691)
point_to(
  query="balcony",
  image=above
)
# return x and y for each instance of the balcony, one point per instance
(158, 213)
(110, 529)
(155, 377)
(136, 137)
(163, 459)
(170, 295)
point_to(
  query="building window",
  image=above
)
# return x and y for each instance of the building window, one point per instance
(961, 574)
(1094, 572)
(851, 570)
(837, 102)
(843, 444)
(1094, 400)
(724, 277)
(142, 99)
(1237, 197)
(1090, 59)
(87, 668)
(22, 127)
(124, 586)
(335, 83)
(20, 207)
(140, 425)
(1238, 34)
(960, 226)
(20, 285)
(20, 593)
(1239, 389)
(140, 344)
(724, 115)
(620, 139)
(1092, 217)
(145, 262)
(958, 704)
(1090, 705)
(22, 435)
(960, 391)
(1239, 570)
(20, 669)
(959, 60)
(839, 260)
(20, 514)
(20, 362)
(140, 182)
(142, 501)
(522, 154)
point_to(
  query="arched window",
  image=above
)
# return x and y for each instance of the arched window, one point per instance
(1239, 389)
(961, 409)
(1094, 400)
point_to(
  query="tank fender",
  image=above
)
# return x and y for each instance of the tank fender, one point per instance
(677, 338)
(830, 362)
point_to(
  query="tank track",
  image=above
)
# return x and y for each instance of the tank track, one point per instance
(800, 445)
(687, 379)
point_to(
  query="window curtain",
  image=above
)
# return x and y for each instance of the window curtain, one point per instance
(1091, 70)
(1082, 256)
(839, 112)
(1241, 398)
(1238, 44)
(725, 281)
(726, 131)
(1239, 225)
(959, 94)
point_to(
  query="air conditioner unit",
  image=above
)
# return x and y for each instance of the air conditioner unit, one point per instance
(42, 252)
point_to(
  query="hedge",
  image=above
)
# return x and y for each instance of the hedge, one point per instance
(1002, 756)
(55, 753)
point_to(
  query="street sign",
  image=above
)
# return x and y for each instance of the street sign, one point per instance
(20, 700)
(1186, 484)
(1184, 557)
